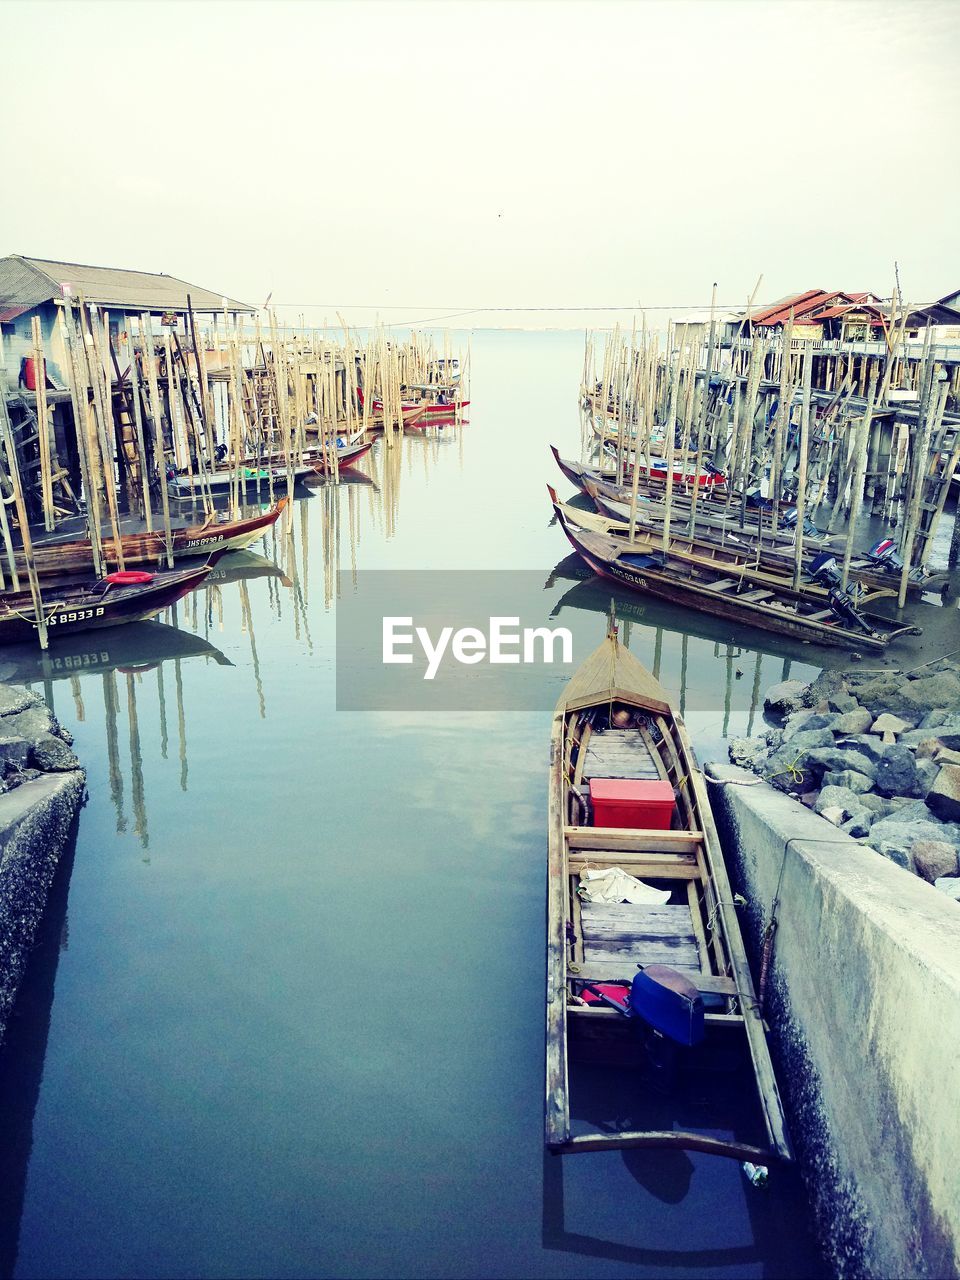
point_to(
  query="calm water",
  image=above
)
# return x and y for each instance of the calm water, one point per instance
(286, 1018)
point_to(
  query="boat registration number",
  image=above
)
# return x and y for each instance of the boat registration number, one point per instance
(204, 542)
(75, 615)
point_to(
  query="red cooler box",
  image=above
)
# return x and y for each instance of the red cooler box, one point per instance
(631, 802)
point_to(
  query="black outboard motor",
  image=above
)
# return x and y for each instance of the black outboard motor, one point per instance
(825, 570)
(884, 555)
(756, 500)
(810, 530)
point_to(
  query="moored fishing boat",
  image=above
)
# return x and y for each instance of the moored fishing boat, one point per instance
(417, 413)
(84, 605)
(659, 981)
(247, 475)
(217, 532)
(737, 553)
(734, 593)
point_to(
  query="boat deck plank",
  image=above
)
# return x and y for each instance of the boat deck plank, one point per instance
(619, 753)
(619, 936)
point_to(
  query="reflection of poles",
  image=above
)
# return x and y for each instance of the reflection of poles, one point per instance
(162, 701)
(77, 690)
(136, 766)
(754, 695)
(684, 645)
(181, 724)
(246, 617)
(657, 650)
(113, 754)
(728, 693)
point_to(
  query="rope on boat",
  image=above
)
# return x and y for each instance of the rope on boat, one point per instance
(33, 621)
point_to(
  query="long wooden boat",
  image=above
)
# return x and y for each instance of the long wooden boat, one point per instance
(93, 603)
(735, 553)
(55, 558)
(348, 455)
(416, 412)
(663, 978)
(740, 595)
(777, 544)
(248, 476)
(653, 483)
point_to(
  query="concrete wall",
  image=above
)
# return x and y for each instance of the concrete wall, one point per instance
(864, 1006)
(35, 821)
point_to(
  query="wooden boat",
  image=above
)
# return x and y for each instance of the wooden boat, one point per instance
(348, 455)
(217, 532)
(650, 484)
(83, 605)
(733, 552)
(248, 475)
(677, 967)
(419, 412)
(708, 475)
(777, 545)
(738, 594)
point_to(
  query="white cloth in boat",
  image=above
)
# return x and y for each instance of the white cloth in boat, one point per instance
(613, 884)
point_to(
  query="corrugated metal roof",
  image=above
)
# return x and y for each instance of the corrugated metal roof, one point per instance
(32, 281)
(11, 313)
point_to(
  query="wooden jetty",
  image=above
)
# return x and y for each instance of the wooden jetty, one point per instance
(659, 982)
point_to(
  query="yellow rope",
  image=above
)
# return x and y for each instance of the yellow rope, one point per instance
(795, 774)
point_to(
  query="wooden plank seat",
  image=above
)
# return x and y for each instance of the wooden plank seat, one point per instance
(618, 936)
(619, 753)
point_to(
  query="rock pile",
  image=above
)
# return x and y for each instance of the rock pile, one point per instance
(878, 755)
(31, 740)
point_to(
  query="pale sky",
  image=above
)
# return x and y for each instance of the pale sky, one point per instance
(429, 158)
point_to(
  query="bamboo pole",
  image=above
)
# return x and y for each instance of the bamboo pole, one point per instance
(43, 424)
(807, 376)
(148, 355)
(102, 415)
(920, 483)
(13, 466)
(856, 495)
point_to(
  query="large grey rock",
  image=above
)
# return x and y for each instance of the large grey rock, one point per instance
(850, 779)
(882, 693)
(943, 798)
(934, 692)
(904, 829)
(749, 753)
(864, 743)
(806, 721)
(934, 858)
(858, 824)
(839, 798)
(927, 771)
(828, 684)
(832, 759)
(876, 804)
(842, 702)
(834, 813)
(897, 772)
(14, 753)
(950, 885)
(895, 852)
(14, 699)
(886, 723)
(933, 718)
(785, 697)
(33, 723)
(787, 763)
(52, 755)
(858, 720)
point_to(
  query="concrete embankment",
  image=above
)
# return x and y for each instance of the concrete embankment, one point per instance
(41, 790)
(863, 997)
